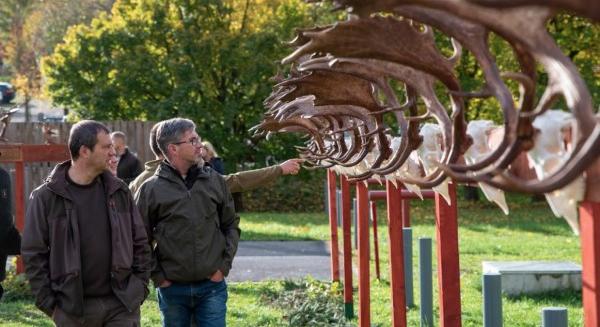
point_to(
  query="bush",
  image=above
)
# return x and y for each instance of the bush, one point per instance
(301, 193)
(310, 302)
(16, 287)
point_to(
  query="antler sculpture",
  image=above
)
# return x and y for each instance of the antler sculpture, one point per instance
(341, 88)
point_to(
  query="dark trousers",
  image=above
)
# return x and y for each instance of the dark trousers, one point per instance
(206, 301)
(99, 312)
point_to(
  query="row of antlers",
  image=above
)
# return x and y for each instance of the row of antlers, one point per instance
(343, 82)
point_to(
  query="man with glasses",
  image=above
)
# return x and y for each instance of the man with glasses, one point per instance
(192, 227)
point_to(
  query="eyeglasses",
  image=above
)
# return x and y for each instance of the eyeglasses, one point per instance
(194, 141)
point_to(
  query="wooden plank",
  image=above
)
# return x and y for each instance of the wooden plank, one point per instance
(45, 152)
(448, 263)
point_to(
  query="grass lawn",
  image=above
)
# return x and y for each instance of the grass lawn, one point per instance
(530, 233)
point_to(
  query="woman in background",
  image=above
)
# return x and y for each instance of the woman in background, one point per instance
(211, 157)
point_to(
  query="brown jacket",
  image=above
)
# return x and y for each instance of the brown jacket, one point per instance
(238, 182)
(51, 246)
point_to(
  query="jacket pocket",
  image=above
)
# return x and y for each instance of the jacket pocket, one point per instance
(61, 251)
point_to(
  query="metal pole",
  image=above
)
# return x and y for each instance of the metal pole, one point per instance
(492, 300)
(425, 282)
(355, 222)
(335, 256)
(554, 317)
(338, 201)
(364, 279)
(373, 207)
(408, 267)
(347, 244)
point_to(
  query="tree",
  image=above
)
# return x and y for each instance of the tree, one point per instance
(206, 60)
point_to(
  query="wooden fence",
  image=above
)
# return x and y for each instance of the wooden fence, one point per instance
(31, 133)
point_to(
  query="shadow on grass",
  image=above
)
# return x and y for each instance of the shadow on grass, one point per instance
(567, 298)
(292, 219)
(251, 236)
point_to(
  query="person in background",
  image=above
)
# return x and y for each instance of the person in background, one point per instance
(211, 157)
(84, 247)
(238, 182)
(10, 239)
(129, 166)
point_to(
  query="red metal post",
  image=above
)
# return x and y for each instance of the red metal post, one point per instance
(347, 244)
(373, 207)
(20, 205)
(589, 216)
(364, 288)
(396, 244)
(448, 263)
(331, 197)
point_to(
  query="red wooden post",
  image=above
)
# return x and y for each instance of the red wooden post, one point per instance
(347, 239)
(331, 196)
(20, 205)
(448, 264)
(373, 206)
(589, 216)
(396, 244)
(364, 299)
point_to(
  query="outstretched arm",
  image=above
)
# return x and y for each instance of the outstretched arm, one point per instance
(252, 179)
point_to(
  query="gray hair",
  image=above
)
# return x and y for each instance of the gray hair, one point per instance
(170, 131)
(119, 135)
(153, 142)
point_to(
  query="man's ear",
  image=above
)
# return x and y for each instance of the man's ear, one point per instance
(172, 147)
(84, 152)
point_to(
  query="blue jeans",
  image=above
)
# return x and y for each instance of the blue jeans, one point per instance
(205, 300)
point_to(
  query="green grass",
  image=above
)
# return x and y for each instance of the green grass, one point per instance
(531, 232)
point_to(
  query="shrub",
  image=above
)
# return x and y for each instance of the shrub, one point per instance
(310, 302)
(301, 193)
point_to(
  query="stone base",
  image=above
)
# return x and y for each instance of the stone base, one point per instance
(535, 277)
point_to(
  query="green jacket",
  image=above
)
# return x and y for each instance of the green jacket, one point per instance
(238, 182)
(195, 232)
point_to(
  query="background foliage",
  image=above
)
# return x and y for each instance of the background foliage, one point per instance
(209, 60)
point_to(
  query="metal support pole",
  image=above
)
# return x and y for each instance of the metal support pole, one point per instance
(396, 246)
(425, 282)
(335, 256)
(364, 287)
(347, 244)
(492, 300)
(448, 263)
(373, 207)
(406, 212)
(20, 206)
(554, 317)
(355, 222)
(338, 202)
(408, 266)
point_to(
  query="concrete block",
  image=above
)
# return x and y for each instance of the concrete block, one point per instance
(535, 277)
